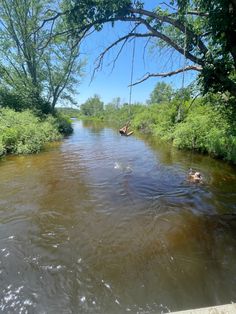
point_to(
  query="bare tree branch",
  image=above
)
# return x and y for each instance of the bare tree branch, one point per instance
(51, 19)
(138, 35)
(172, 43)
(176, 23)
(148, 75)
(118, 54)
(101, 56)
(197, 13)
(155, 33)
(169, 6)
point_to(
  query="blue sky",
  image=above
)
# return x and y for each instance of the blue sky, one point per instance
(110, 82)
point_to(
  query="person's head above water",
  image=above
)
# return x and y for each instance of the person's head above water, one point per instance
(195, 176)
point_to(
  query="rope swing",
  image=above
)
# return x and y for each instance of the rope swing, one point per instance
(124, 130)
(132, 74)
(185, 59)
(178, 118)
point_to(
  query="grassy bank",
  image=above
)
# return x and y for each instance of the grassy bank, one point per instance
(25, 133)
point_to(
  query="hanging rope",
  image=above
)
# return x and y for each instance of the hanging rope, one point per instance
(178, 118)
(124, 130)
(185, 59)
(132, 74)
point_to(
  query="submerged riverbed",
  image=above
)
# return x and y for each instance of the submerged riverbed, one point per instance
(100, 223)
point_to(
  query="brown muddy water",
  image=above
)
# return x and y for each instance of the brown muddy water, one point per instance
(101, 223)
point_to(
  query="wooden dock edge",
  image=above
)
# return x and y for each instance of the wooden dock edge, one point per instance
(219, 309)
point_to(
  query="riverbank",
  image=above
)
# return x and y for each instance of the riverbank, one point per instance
(204, 128)
(25, 133)
(199, 127)
(206, 125)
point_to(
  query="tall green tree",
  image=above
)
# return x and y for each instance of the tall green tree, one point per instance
(203, 31)
(93, 106)
(162, 92)
(36, 66)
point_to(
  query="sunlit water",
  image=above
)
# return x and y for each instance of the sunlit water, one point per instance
(101, 223)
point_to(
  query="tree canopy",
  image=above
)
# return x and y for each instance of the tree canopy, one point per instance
(162, 92)
(37, 68)
(203, 31)
(92, 107)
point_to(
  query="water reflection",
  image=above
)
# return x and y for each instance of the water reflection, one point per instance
(96, 127)
(105, 224)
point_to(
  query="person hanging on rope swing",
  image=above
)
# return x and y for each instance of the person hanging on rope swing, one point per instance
(125, 130)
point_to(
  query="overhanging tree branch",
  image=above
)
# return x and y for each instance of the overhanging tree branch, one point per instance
(165, 74)
(139, 35)
(183, 27)
(208, 41)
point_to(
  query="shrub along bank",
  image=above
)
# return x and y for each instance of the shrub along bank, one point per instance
(202, 127)
(206, 124)
(25, 133)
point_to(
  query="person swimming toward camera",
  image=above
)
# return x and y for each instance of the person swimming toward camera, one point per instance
(194, 176)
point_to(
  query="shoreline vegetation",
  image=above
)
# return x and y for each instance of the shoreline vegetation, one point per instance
(41, 66)
(25, 133)
(206, 125)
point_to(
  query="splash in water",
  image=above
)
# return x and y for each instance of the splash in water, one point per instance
(122, 167)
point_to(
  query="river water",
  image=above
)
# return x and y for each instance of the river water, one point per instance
(100, 223)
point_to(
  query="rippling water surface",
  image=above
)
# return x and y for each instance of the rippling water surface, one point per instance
(101, 223)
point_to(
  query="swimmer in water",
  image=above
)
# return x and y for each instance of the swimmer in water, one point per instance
(194, 176)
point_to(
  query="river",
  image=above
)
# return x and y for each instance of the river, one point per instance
(100, 223)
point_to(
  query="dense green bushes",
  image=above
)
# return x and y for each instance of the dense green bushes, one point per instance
(203, 127)
(24, 133)
(63, 123)
(207, 125)
(207, 130)
(121, 115)
(23, 101)
(145, 120)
